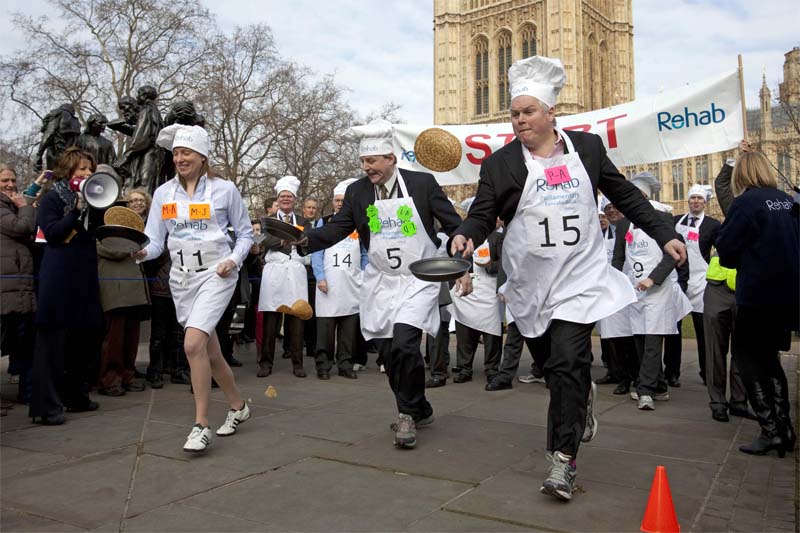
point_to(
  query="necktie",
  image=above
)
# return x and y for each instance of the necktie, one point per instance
(287, 218)
(384, 192)
(692, 222)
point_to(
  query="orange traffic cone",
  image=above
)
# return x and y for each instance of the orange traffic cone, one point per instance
(659, 517)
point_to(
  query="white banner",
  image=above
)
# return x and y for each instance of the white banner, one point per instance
(699, 118)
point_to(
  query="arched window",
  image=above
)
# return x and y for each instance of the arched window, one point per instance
(675, 182)
(528, 35)
(591, 86)
(680, 181)
(603, 98)
(503, 62)
(481, 52)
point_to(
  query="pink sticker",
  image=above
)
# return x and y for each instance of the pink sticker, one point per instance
(629, 237)
(693, 236)
(557, 175)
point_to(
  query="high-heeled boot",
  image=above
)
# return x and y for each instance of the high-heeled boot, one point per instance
(761, 399)
(780, 392)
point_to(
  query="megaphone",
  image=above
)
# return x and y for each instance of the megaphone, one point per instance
(100, 190)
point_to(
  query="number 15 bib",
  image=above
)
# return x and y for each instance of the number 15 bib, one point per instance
(554, 252)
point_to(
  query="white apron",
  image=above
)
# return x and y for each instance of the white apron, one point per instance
(343, 274)
(284, 279)
(618, 324)
(697, 265)
(479, 310)
(553, 251)
(196, 244)
(658, 309)
(390, 294)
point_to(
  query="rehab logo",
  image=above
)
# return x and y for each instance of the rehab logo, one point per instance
(690, 119)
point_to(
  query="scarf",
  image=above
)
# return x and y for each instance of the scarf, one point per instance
(67, 196)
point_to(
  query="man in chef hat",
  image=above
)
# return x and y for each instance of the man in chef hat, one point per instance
(393, 211)
(700, 232)
(283, 283)
(544, 185)
(338, 271)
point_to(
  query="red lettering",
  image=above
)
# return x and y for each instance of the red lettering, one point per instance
(508, 137)
(611, 129)
(582, 127)
(469, 141)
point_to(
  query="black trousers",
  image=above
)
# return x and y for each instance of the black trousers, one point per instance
(293, 334)
(336, 337)
(623, 359)
(467, 345)
(405, 370)
(673, 349)
(166, 338)
(651, 374)
(252, 310)
(360, 353)
(564, 353)
(512, 353)
(719, 316)
(224, 325)
(437, 349)
(310, 327)
(61, 369)
(17, 337)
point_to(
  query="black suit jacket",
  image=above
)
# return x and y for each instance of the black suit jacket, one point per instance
(503, 176)
(709, 229)
(430, 200)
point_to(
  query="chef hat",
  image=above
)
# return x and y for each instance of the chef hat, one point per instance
(341, 187)
(466, 204)
(647, 183)
(288, 183)
(603, 202)
(700, 190)
(180, 136)
(537, 76)
(374, 138)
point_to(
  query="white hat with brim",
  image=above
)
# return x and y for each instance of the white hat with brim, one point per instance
(374, 138)
(647, 183)
(341, 187)
(704, 191)
(537, 76)
(179, 136)
(288, 183)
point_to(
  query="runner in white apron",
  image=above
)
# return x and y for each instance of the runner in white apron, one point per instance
(390, 294)
(203, 273)
(618, 324)
(697, 264)
(554, 253)
(284, 279)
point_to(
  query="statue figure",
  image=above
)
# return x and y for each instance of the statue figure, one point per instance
(128, 110)
(180, 112)
(141, 164)
(60, 130)
(93, 142)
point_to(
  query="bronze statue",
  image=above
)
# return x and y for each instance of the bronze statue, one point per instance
(142, 162)
(180, 112)
(60, 130)
(128, 110)
(93, 142)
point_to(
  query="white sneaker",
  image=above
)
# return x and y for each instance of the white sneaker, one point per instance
(359, 368)
(383, 369)
(530, 378)
(661, 396)
(198, 440)
(634, 394)
(590, 429)
(233, 420)
(646, 403)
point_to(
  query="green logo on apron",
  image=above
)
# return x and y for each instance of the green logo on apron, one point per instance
(404, 213)
(374, 225)
(372, 211)
(408, 228)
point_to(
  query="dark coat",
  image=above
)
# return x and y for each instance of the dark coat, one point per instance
(429, 199)
(662, 269)
(709, 229)
(503, 176)
(17, 228)
(122, 282)
(69, 293)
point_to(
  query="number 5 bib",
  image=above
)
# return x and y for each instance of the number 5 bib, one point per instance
(554, 253)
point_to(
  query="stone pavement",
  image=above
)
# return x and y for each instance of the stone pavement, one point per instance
(319, 457)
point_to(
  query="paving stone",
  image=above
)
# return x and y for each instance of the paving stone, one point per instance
(323, 494)
(14, 460)
(444, 521)
(13, 521)
(710, 524)
(177, 517)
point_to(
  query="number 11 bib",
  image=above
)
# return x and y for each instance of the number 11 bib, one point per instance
(554, 252)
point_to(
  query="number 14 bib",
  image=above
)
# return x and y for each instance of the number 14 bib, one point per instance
(554, 252)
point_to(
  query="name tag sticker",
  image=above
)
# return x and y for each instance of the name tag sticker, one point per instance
(199, 211)
(354, 235)
(169, 211)
(557, 175)
(483, 252)
(301, 228)
(693, 236)
(629, 237)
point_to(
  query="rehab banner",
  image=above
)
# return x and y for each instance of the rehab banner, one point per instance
(699, 118)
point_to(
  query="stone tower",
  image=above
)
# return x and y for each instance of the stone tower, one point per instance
(475, 41)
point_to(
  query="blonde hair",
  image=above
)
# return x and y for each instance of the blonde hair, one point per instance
(752, 169)
(147, 198)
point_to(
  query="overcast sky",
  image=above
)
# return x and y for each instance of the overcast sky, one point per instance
(382, 49)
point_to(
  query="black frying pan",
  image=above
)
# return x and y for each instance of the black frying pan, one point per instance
(439, 268)
(121, 238)
(282, 230)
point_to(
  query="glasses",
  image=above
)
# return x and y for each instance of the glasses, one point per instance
(137, 201)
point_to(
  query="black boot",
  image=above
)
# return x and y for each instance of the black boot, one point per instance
(761, 400)
(781, 406)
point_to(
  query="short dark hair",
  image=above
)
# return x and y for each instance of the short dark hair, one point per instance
(269, 201)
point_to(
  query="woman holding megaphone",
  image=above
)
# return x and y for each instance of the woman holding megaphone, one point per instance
(69, 319)
(190, 212)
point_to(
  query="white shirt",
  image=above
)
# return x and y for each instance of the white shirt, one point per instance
(229, 210)
(390, 186)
